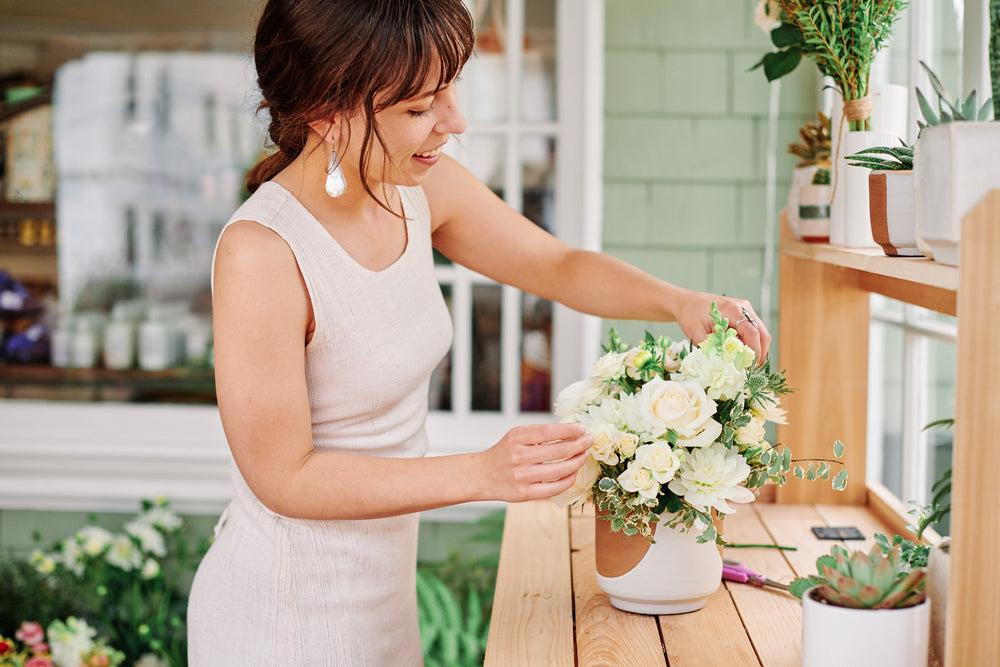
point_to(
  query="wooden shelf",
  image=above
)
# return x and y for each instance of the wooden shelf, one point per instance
(549, 610)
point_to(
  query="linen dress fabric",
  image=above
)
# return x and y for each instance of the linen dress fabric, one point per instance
(279, 590)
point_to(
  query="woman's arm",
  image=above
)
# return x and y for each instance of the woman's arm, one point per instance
(475, 228)
(261, 313)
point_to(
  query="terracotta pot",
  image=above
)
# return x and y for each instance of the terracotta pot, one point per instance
(673, 576)
(891, 203)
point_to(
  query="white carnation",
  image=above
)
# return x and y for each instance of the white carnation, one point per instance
(752, 433)
(710, 476)
(609, 366)
(720, 377)
(578, 396)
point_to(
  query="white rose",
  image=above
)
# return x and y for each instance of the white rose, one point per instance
(586, 477)
(636, 479)
(683, 407)
(609, 366)
(577, 396)
(752, 433)
(626, 444)
(603, 449)
(659, 459)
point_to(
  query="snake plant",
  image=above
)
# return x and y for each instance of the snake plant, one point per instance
(449, 634)
(859, 580)
(886, 158)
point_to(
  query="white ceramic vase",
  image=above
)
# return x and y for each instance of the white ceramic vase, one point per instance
(857, 228)
(836, 636)
(954, 166)
(891, 203)
(814, 213)
(801, 177)
(673, 576)
(938, 574)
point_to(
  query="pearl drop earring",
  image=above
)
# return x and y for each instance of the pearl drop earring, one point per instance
(335, 183)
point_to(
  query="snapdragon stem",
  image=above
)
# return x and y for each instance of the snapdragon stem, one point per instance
(760, 546)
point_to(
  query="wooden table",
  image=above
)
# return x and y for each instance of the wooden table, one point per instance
(548, 610)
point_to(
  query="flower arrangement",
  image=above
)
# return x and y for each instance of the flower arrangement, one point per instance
(680, 429)
(70, 643)
(876, 580)
(128, 583)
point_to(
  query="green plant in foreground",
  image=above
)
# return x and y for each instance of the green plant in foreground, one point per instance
(821, 177)
(949, 111)
(859, 580)
(940, 505)
(884, 158)
(914, 553)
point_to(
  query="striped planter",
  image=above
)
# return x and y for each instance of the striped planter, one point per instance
(814, 213)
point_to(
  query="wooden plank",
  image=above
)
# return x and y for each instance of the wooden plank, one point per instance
(892, 513)
(714, 635)
(772, 618)
(824, 348)
(606, 635)
(935, 298)
(974, 586)
(792, 525)
(532, 621)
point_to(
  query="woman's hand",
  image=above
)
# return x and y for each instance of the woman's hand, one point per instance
(534, 461)
(695, 321)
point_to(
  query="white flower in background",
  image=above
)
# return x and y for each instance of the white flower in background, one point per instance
(69, 641)
(609, 366)
(769, 410)
(42, 562)
(93, 539)
(149, 537)
(767, 15)
(637, 479)
(603, 449)
(150, 660)
(151, 569)
(661, 461)
(161, 518)
(72, 556)
(752, 433)
(586, 477)
(626, 444)
(124, 554)
(634, 359)
(710, 476)
(683, 407)
(721, 379)
(578, 396)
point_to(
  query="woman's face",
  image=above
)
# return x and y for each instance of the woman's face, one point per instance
(414, 131)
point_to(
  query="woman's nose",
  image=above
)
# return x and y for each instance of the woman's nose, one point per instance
(454, 121)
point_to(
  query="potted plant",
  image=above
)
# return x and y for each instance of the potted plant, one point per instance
(876, 600)
(890, 197)
(814, 154)
(825, 31)
(814, 208)
(957, 161)
(679, 434)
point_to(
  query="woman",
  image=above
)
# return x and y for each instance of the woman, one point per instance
(329, 321)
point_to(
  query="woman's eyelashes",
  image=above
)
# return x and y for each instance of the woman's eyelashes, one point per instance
(421, 112)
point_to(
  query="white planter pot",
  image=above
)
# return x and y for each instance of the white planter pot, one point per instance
(891, 204)
(837, 636)
(801, 177)
(854, 181)
(938, 569)
(837, 123)
(673, 576)
(814, 213)
(954, 165)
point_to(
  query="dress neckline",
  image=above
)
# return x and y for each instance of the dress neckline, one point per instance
(350, 258)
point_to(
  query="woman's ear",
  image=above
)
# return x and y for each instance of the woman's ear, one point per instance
(327, 129)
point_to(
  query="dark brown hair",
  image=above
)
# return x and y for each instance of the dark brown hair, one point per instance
(316, 58)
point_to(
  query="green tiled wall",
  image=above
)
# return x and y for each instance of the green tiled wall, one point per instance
(685, 139)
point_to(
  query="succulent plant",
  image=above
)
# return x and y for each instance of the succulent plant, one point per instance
(948, 111)
(886, 158)
(814, 149)
(859, 580)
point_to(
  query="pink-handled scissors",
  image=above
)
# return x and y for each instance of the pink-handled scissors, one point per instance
(734, 571)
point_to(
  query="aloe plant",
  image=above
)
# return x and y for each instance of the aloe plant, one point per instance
(859, 580)
(949, 110)
(886, 158)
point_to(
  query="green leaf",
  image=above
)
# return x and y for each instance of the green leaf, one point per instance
(799, 586)
(935, 81)
(840, 481)
(811, 474)
(786, 34)
(607, 484)
(786, 460)
(779, 63)
(984, 111)
(799, 472)
(765, 458)
(838, 449)
(969, 106)
(925, 107)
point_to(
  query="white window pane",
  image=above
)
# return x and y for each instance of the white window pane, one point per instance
(486, 351)
(538, 78)
(891, 389)
(940, 405)
(483, 89)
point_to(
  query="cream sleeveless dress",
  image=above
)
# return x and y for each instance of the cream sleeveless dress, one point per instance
(277, 590)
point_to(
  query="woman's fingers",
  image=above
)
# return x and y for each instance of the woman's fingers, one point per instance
(547, 472)
(531, 434)
(557, 450)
